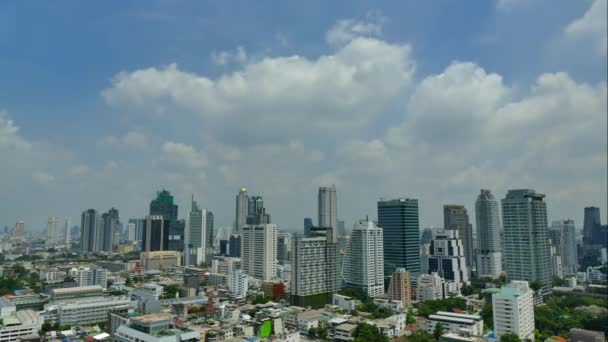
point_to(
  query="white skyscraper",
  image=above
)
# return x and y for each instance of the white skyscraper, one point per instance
(259, 251)
(363, 267)
(131, 228)
(238, 284)
(67, 231)
(567, 245)
(53, 233)
(526, 237)
(242, 210)
(328, 210)
(196, 236)
(513, 310)
(92, 276)
(489, 254)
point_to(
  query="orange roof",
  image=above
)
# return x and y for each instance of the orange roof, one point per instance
(559, 338)
(8, 296)
(457, 310)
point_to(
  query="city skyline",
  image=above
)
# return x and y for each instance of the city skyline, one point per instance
(114, 122)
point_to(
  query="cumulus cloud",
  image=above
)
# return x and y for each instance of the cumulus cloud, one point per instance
(9, 134)
(132, 139)
(226, 57)
(183, 155)
(344, 31)
(592, 26)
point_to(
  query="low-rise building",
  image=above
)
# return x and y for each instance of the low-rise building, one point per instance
(15, 326)
(345, 302)
(83, 311)
(160, 260)
(345, 332)
(582, 335)
(76, 292)
(455, 323)
(154, 328)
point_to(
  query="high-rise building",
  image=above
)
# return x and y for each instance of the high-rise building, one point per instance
(591, 221)
(315, 271)
(242, 210)
(90, 225)
(328, 210)
(67, 231)
(426, 237)
(234, 246)
(399, 221)
(238, 284)
(448, 260)
(455, 217)
(595, 235)
(107, 234)
(174, 236)
(53, 234)
(489, 250)
(140, 225)
(210, 235)
(341, 228)
(197, 236)
(307, 226)
(259, 251)
(257, 212)
(557, 269)
(430, 287)
(513, 310)
(284, 247)
(153, 234)
(92, 276)
(163, 205)
(19, 230)
(399, 287)
(131, 228)
(363, 267)
(526, 237)
(567, 245)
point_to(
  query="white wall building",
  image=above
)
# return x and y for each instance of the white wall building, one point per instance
(567, 245)
(19, 324)
(238, 284)
(92, 276)
(454, 322)
(259, 251)
(196, 236)
(430, 287)
(363, 267)
(53, 233)
(513, 310)
(448, 259)
(83, 311)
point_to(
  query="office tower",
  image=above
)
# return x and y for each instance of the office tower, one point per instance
(131, 227)
(526, 237)
(90, 225)
(566, 247)
(430, 287)
(197, 235)
(67, 231)
(513, 311)
(19, 230)
(315, 271)
(556, 262)
(242, 210)
(591, 221)
(399, 287)
(363, 268)
(448, 260)
(595, 235)
(307, 226)
(455, 217)
(140, 225)
(489, 250)
(238, 284)
(427, 236)
(163, 206)
(110, 222)
(399, 221)
(284, 247)
(341, 228)
(174, 235)
(259, 251)
(257, 212)
(328, 210)
(210, 235)
(92, 276)
(234, 246)
(153, 234)
(53, 234)
(224, 247)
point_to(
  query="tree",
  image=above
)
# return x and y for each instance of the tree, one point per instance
(312, 332)
(510, 337)
(421, 336)
(410, 317)
(487, 315)
(365, 332)
(438, 330)
(557, 281)
(536, 285)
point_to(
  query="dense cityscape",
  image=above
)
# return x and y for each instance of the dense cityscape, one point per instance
(162, 277)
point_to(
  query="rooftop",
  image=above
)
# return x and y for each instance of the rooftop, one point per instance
(153, 318)
(5, 303)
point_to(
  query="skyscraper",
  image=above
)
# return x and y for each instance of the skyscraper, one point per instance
(489, 250)
(591, 221)
(567, 245)
(140, 225)
(257, 212)
(595, 235)
(526, 237)
(242, 210)
(234, 246)
(284, 247)
(19, 230)
(259, 251)
(341, 228)
(197, 235)
(307, 226)
(53, 234)
(131, 231)
(513, 311)
(110, 222)
(400, 287)
(427, 236)
(153, 234)
(210, 235)
(363, 264)
(90, 225)
(399, 221)
(67, 231)
(163, 206)
(315, 271)
(174, 235)
(448, 260)
(455, 217)
(328, 210)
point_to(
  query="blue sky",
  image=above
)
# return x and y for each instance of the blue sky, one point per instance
(422, 99)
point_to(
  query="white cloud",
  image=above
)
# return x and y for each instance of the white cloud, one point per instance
(345, 31)
(239, 56)
(183, 155)
(350, 88)
(133, 139)
(9, 134)
(592, 26)
(41, 177)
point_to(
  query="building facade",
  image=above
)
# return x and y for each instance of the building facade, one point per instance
(197, 235)
(400, 224)
(90, 225)
(513, 311)
(455, 217)
(53, 233)
(242, 210)
(400, 287)
(447, 259)
(328, 210)
(363, 267)
(489, 244)
(259, 251)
